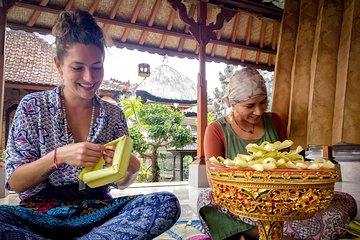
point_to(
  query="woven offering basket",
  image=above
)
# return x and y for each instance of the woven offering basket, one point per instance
(272, 196)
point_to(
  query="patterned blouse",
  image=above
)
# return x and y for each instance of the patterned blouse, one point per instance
(38, 128)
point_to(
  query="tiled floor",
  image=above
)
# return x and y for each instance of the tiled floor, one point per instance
(188, 194)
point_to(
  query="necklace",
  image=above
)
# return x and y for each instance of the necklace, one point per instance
(244, 130)
(66, 126)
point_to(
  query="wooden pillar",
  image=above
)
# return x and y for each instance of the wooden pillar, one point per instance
(2, 62)
(202, 34)
(2, 86)
(201, 85)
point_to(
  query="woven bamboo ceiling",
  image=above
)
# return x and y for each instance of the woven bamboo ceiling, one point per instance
(248, 39)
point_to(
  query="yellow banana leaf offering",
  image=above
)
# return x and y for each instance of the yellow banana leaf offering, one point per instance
(268, 156)
(99, 176)
(354, 228)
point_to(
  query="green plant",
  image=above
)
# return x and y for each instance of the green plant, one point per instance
(187, 160)
(153, 126)
(211, 117)
(144, 174)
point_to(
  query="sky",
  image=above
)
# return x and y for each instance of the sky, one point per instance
(122, 64)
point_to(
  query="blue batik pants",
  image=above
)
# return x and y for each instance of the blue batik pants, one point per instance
(144, 217)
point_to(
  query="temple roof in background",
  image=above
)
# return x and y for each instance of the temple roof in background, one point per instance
(167, 85)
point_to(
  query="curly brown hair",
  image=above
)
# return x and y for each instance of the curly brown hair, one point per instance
(76, 27)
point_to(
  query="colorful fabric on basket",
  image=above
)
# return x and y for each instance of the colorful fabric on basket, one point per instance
(328, 225)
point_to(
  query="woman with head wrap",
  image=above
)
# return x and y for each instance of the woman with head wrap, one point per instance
(248, 122)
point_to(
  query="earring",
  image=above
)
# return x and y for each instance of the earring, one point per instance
(231, 115)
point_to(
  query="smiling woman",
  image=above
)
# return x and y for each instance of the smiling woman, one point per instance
(248, 122)
(82, 71)
(58, 132)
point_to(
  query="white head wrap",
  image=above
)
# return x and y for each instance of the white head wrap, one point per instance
(244, 84)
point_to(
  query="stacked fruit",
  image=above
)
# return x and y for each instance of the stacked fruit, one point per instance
(269, 156)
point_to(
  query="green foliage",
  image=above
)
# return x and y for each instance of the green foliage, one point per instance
(155, 114)
(131, 106)
(181, 136)
(144, 174)
(187, 160)
(211, 117)
(140, 145)
(153, 126)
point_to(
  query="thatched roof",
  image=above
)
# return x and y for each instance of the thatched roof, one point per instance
(167, 85)
(29, 60)
(249, 38)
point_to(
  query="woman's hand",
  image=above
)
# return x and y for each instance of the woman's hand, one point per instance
(132, 171)
(134, 163)
(108, 154)
(81, 154)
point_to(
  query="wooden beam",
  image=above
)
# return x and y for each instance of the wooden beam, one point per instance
(255, 8)
(274, 36)
(16, 26)
(32, 87)
(270, 60)
(150, 22)
(248, 30)
(112, 15)
(151, 49)
(187, 27)
(273, 42)
(190, 55)
(134, 17)
(69, 5)
(262, 33)
(36, 14)
(154, 29)
(261, 40)
(40, 8)
(7, 4)
(233, 34)
(247, 37)
(218, 36)
(169, 25)
(93, 7)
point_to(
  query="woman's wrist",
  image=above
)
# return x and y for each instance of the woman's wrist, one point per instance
(56, 163)
(127, 180)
